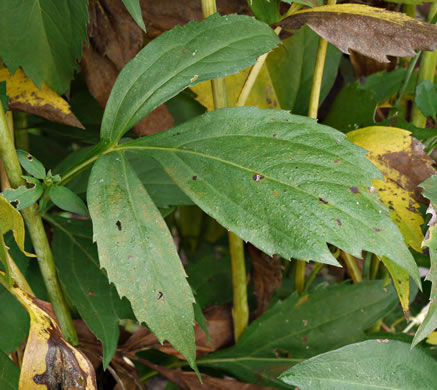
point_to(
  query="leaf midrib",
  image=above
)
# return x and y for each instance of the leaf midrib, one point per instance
(238, 166)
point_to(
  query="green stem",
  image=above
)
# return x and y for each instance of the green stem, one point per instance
(313, 275)
(13, 271)
(318, 75)
(300, 276)
(426, 72)
(312, 113)
(410, 10)
(352, 267)
(37, 234)
(240, 310)
(374, 266)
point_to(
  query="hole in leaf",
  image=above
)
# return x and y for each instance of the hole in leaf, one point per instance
(160, 296)
(257, 177)
(29, 157)
(118, 224)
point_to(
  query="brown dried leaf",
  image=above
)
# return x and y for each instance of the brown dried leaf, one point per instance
(267, 277)
(218, 322)
(115, 39)
(25, 96)
(189, 381)
(49, 361)
(371, 31)
(163, 15)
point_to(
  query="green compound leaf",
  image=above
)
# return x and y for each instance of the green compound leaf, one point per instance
(138, 253)
(67, 200)
(301, 327)
(133, 6)
(182, 57)
(87, 286)
(9, 373)
(285, 183)
(44, 37)
(430, 323)
(374, 364)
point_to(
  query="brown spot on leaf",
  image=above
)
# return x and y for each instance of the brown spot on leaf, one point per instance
(354, 189)
(119, 226)
(257, 177)
(339, 223)
(160, 296)
(194, 178)
(376, 229)
(323, 201)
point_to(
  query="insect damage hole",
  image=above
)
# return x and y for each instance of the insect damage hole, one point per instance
(29, 157)
(160, 296)
(119, 226)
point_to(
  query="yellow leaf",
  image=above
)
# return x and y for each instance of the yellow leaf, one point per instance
(262, 94)
(49, 361)
(401, 160)
(401, 281)
(373, 32)
(10, 219)
(432, 338)
(25, 96)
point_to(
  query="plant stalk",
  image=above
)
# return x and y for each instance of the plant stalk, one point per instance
(318, 75)
(300, 276)
(352, 267)
(240, 310)
(426, 72)
(37, 234)
(313, 275)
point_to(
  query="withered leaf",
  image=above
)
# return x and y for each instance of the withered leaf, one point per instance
(49, 360)
(115, 39)
(371, 31)
(25, 96)
(190, 381)
(218, 322)
(163, 15)
(267, 277)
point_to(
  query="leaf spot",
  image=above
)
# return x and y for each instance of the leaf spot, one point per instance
(160, 296)
(324, 201)
(194, 178)
(257, 177)
(194, 78)
(354, 189)
(339, 222)
(383, 341)
(376, 229)
(118, 224)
